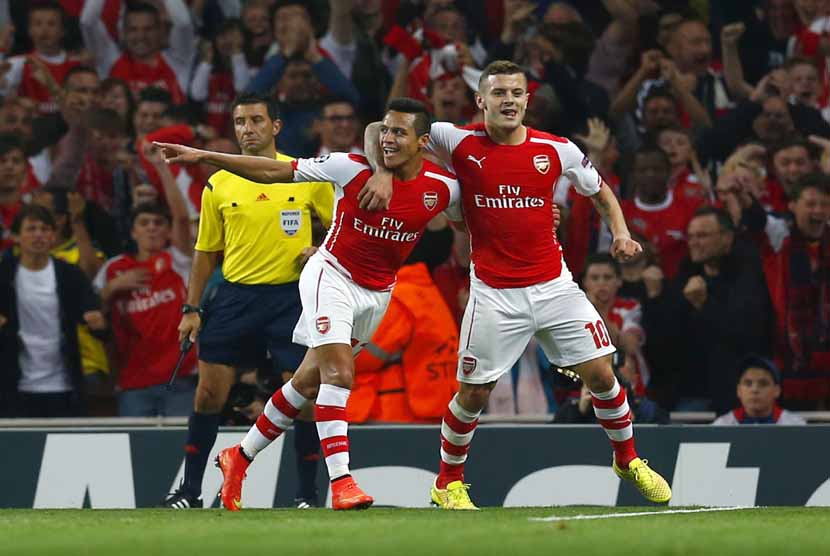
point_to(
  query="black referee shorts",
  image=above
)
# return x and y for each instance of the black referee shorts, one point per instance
(242, 321)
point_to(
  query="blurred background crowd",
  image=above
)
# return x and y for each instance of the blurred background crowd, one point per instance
(709, 119)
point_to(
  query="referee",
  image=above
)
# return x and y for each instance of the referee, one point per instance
(265, 234)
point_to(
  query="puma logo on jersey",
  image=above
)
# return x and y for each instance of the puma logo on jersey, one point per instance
(477, 161)
(263, 197)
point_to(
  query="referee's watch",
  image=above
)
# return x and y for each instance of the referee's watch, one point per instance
(192, 309)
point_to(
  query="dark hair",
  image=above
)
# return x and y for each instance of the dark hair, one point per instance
(47, 5)
(649, 148)
(149, 207)
(799, 61)
(500, 67)
(601, 258)
(141, 8)
(412, 106)
(75, 71)
(791, 142)
(155, 94)
(32, 212)
(724, 220)
(111, 83)
(60, 198)
(9, 143)
(815, 180)
(106, 121)
(658, 92)
(258, 98)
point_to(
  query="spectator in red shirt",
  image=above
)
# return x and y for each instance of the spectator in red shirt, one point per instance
(796, 261)
(688, 180)
(12, 179)
(46, 29)
(142, 63)
(144, 291)
(655, 211)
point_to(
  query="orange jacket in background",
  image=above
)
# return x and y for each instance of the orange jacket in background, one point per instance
(407, 372)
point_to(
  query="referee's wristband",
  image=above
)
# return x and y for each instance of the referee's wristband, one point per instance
(192, 309)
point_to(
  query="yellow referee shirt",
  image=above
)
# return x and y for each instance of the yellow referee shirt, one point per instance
(261, 228)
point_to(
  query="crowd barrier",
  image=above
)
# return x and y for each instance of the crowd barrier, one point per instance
(108, 466)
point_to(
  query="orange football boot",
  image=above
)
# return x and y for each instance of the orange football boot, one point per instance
(233, 466)
(346, 495)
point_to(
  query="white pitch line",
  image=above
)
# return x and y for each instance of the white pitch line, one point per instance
(638, 514)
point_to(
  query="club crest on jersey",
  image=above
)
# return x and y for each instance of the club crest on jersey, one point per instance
(468, 365)
(542, 163)
(323, 325)
(290, 221)
(430, 200)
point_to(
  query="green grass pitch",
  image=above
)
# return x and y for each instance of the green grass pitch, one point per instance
(388, 531)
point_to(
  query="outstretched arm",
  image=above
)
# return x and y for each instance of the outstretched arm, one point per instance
(255, 168)
(623, 247)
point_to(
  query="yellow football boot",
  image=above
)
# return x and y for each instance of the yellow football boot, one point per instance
(454, 497)
(649, 482)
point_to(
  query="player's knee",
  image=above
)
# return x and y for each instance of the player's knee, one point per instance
(474, 397)
(341, 375)
(599, 377)
(209, 398)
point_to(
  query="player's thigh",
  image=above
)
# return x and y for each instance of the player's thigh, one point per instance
(494, 331)
(369, 311)
(215, 382)
(571, 331)
(328, 308)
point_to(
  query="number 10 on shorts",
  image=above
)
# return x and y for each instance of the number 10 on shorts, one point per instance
(599, 334)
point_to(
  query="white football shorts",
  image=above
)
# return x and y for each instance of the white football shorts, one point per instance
(335, 309)
(499, 322)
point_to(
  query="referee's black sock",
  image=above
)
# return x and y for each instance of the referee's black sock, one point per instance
(201, 435)
(307, 450)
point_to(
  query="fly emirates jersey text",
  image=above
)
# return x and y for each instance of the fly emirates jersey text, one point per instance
(507, 196)
(370, 247)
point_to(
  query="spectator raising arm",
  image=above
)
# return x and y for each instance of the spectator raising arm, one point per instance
(733, 71)
(179, 217)
(96, 37)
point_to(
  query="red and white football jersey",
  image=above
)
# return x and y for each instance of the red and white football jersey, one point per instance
(507, 193)
(664, 225)
(139, 75)
(145, 321)
(370, 247)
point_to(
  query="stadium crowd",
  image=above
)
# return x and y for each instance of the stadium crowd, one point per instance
(711, 121)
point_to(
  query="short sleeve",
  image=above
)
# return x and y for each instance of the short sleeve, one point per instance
(578, 169)
(444, 137)
(337, 168)
(322, 199)
(100, 279)
(211, 230)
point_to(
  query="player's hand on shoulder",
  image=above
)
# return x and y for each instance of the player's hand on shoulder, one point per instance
(179, 154)
(624, 248)
(305, 254)
(377, 193)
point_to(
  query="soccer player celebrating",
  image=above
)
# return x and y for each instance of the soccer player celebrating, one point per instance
(265, 233)
(345, 287)
(520, 285)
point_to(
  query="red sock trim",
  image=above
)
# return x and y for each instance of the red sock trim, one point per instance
(334, 445)
(279, 401)
(458, 426)
(268, 429)
(329, 413)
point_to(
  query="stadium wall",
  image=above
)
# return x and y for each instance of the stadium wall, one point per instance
(531, 465)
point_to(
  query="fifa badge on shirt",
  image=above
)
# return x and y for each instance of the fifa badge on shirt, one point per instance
(542, 163)
(468, 365)
(290, 221)
(430, 200)
(323, 325)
